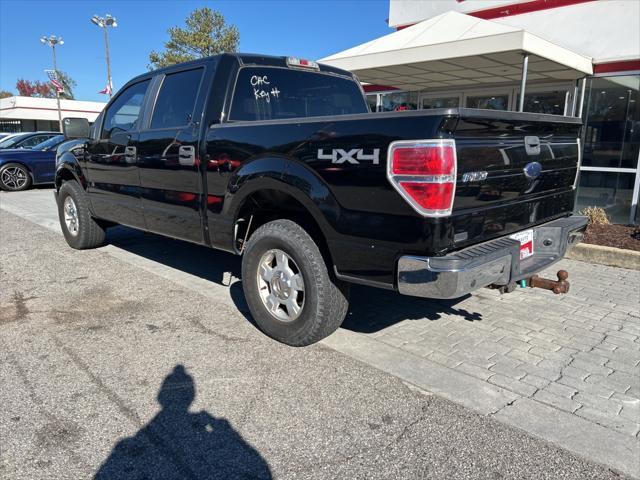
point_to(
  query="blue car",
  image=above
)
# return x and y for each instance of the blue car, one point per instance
(21, 168)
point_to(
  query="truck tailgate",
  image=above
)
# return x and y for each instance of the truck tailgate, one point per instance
(513, 171)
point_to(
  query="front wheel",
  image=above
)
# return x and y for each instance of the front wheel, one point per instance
(290, 293)
(78, 226)
(14, 177)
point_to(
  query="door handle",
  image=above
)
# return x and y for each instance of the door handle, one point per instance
(187, 155)
(532, 145)
(130, 154)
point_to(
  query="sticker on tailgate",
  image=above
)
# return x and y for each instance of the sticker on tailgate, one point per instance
(526, 243)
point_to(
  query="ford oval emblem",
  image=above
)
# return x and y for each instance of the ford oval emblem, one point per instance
(532, 170)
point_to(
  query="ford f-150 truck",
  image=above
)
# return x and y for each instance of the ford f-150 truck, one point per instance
(279, 160)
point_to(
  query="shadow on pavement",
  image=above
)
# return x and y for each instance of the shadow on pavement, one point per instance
(371, 309)
(177, 443)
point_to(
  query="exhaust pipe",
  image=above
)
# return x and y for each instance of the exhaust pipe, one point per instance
(557, 287)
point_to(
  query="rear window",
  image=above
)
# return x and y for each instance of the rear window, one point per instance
(280, 93)
(177, 99)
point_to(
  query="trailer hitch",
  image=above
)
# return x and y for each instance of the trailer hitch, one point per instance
(559, 286)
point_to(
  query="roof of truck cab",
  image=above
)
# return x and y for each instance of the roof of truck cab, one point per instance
(244, 59)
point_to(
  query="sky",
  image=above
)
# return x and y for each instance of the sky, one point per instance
(303, 28)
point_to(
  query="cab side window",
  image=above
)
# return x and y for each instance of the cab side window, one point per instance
(177, 99)
(123, 114)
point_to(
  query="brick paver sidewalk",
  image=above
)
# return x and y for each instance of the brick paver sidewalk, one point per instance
(579, 352)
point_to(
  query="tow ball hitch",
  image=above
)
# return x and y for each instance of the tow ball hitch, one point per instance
(559, 286)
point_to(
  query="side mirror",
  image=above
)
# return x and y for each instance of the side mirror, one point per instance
(76, 128)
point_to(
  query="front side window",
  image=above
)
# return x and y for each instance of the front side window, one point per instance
(123, 114)
(177, 99)
(266, 93)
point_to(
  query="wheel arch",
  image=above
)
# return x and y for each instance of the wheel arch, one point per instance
(294, 192)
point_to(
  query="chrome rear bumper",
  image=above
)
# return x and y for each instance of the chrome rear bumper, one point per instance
(496, 262)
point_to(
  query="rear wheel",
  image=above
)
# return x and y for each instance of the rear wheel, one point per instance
(290, 293)
(14, 177)
(78, 226)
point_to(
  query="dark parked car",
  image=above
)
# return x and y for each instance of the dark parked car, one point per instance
(22, 167)
(279, 160)
(25, 140)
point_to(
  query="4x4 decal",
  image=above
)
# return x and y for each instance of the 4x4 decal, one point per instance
(353, 156)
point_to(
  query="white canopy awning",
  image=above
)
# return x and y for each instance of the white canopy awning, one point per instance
(454, 49)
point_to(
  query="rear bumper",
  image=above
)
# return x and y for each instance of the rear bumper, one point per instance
(496, 262)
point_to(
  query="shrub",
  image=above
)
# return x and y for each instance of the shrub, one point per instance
(596, 215)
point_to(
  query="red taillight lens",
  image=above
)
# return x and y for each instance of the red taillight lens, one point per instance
(428, 160)
(424, 173)
(430, 196)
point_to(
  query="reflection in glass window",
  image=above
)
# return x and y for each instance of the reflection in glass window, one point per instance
(122, 115)
(489, 102)
(398, 101)
(609, 190)
(612, 132)
(551, 102)
(440, 102)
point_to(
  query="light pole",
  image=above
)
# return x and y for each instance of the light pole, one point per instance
(104, 23)
(52, 41)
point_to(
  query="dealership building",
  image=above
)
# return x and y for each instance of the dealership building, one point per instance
(570, 57)
(30, 114)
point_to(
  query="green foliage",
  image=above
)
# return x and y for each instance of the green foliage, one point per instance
(5, 94)
(206, 34)
(596, 215)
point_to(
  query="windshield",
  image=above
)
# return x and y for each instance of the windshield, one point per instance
(11, 140)
(266, 93)
(49, 144)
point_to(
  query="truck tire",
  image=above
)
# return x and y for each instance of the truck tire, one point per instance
(14, 177)
(78, 226)
(287, 285)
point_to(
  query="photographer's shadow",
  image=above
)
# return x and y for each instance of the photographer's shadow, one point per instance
(178, 444)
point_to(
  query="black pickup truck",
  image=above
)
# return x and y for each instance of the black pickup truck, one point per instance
(279, 160)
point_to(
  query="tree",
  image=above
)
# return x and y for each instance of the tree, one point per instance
(5, 94)
(206, 34)
(68, 83)
(28, 88)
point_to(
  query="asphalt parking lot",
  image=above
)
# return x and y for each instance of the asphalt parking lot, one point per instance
(138, 360)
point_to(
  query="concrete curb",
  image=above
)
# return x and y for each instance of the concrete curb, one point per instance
(614, 257)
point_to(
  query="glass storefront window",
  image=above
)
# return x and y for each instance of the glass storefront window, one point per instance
(440, 102)
(612, 132)
(609, 190)
(489, 102)
(398, 101)
(372, 101)
(551, 102)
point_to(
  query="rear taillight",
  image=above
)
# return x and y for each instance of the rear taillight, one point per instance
(424, 173)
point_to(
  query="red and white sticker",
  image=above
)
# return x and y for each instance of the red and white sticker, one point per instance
(526, 243)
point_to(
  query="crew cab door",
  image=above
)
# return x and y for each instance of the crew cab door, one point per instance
(111, 170)
(168, 160)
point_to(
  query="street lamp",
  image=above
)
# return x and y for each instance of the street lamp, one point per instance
(104, 23)
(52, 41)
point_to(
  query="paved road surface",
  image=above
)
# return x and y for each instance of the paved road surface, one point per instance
(108, 366)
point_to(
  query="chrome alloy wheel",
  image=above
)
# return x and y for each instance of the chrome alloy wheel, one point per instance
(281, 285)
(71, 216)
(14, 177)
